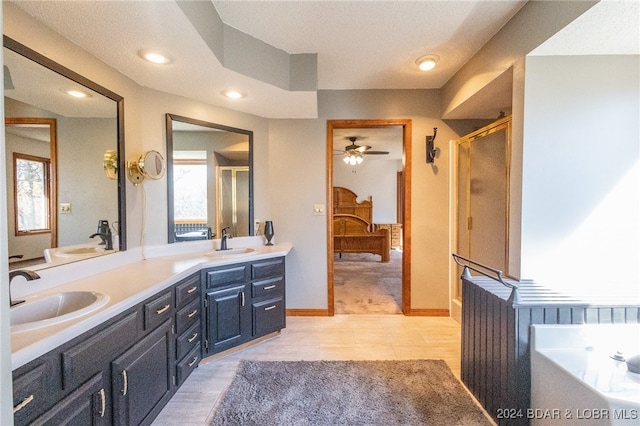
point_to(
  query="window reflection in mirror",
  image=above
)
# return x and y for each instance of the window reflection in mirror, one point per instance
(42, 120)
(209, 180)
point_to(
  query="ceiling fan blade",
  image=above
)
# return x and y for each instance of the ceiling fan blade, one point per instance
(376, 152)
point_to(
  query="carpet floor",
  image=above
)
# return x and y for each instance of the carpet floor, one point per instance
(323, 393)
(364, 285)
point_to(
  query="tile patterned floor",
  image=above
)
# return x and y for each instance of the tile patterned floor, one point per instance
(341, 337)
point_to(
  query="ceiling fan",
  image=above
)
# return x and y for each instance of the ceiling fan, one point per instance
(360, 149)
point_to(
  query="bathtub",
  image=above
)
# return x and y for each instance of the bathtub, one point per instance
(576, 378)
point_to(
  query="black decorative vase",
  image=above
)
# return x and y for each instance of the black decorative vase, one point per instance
(268, 232)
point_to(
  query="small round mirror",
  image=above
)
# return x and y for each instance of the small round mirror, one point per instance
(152, 165)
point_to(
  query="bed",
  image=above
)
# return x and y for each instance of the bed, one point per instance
(353, 231)
(351, 234)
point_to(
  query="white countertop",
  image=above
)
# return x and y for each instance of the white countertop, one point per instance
(127, 283)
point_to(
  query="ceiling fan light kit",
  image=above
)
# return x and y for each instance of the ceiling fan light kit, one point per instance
(353, 158)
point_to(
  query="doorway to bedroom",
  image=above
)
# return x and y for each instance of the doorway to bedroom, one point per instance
(368, 220)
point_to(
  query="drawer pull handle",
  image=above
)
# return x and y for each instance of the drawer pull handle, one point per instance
(191, 290)
(270, 308)
(269, 287)
(192, 338)
(23, 404)
(243, 298)
(103, 403)
(163, 310)
(195, 311)
(195, 359)
(126, 384)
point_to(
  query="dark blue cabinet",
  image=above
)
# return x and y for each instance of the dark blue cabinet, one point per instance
(242, 302)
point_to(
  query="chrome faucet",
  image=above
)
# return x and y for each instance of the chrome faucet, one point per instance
(28, 275)
(106, 239)
(223, 238)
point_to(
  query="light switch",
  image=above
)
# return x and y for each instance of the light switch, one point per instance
(65, 208)
(318, 209)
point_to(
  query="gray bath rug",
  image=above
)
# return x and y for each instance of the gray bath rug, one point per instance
(417, 392)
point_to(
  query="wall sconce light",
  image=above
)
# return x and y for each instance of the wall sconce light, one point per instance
(150, 165)
(110, 164)
(432, 151)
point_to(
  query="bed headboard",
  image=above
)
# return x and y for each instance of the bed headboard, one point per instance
(344, 202)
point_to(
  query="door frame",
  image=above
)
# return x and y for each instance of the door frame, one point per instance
(406, 221)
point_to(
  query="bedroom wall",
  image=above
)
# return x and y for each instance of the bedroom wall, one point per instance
(376, 177)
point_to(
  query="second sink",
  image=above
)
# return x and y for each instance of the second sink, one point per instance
(48, 310)
(230, 253)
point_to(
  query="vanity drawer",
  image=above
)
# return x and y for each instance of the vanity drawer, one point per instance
(268, 316)
(188, 340)
(33, 390)
(188, 364)
(187, 315)
(79, 363)
(268, 288)
(158, 310)
(188, 290)
(227, 275)
(267, 269)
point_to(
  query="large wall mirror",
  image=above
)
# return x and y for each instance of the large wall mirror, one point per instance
(209, 180)
(58, 192)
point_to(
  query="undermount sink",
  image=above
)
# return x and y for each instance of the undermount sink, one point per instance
(48, 310)
(79, 251)
(230, 252)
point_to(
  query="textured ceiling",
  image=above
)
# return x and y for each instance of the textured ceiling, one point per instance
(359, 44)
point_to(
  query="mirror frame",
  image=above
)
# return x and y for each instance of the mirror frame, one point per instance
(40, 59)
(170, 118)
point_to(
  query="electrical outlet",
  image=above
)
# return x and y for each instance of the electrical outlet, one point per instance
(318, 209)
(65, 208)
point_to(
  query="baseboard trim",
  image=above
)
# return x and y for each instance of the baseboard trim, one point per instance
(429, 312)
(308, 312)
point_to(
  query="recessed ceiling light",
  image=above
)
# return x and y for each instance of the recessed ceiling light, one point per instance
(155, 56)
(77, 93)
(428, 62)
(233, 94)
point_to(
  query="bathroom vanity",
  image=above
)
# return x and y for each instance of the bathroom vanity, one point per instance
(122, 363)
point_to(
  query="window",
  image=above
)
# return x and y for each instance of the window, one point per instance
(190, 189)
(32, 194)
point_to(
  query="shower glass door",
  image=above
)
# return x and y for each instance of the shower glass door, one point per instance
(483, 195)
(233, 200)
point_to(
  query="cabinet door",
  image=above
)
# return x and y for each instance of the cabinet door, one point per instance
(84, 406)
(228, 318)
(142, 378)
